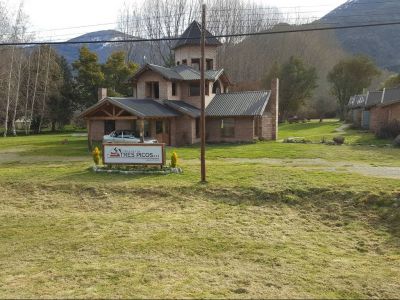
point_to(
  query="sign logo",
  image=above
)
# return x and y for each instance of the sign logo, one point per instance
(141, 154)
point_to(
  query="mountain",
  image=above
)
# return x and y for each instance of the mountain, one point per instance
(380, 43)
(103, 50)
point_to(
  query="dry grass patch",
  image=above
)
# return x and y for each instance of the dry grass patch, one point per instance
(93, 242)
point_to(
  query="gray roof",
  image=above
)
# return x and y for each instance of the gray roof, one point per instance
(181, 72)
(238, 104)
(374, 98)
(391, 96)
(183, 107)
(357, 101)
(192, 35)
(137, 107)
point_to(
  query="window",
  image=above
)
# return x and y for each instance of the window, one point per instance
(159, 127)
(194, 89)
(184, 62)
(228, 128)
(174, 89)
(153, 89)
(109, 126)
(147, 130)
(198, 124)
(216, 88)
(178, 63)
(209, 64)
(196, 63)
(207, 88)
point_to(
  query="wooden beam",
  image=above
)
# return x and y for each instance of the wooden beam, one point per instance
(113, 118)
(106, 112)
(121, 112)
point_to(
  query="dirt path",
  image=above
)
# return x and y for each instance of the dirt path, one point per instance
(342, 129)
(7, 157)
(318, 164)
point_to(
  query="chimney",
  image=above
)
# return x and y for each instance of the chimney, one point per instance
(102, 93)
(275, 107)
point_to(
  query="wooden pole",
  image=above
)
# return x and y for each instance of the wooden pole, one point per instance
(203, 98)
(141, 124)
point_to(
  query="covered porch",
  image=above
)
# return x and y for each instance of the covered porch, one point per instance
(145, 118)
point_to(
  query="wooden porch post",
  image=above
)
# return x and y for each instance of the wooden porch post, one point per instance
(164, 131)
(90, 144)
(141, 126)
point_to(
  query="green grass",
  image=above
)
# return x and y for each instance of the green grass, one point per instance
(258, 229)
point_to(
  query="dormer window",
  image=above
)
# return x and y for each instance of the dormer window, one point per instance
(178, 63)
(209, 64)
(196, 63)
(184, 62)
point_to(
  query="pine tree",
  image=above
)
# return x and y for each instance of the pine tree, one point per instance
(89, 77)
(117, 72)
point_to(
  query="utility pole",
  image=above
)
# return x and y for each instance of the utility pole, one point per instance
(203, 97)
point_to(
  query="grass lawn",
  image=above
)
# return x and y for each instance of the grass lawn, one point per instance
(275, 221)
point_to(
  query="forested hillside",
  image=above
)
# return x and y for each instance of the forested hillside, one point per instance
(380, 43)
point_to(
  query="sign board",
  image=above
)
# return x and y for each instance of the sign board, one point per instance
(134, 154)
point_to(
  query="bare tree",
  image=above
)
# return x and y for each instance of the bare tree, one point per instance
(17, 94)
(46, 81)
(25, 120)
(35, 88)
(8, 93)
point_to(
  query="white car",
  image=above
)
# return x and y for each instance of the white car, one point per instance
(125, 137)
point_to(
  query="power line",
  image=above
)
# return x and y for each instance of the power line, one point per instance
(223, 10)
(196, 38)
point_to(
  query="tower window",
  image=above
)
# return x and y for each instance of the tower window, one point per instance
(174, 89)
(196, 63)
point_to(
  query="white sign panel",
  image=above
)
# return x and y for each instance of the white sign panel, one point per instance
(133, 154)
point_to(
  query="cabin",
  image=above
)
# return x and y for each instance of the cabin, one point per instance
(166, 102)
(375, 110)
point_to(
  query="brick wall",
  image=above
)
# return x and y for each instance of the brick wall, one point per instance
(148, 76)
(378, 118)
(123, 125)
(96, 130)
(244, 130)
(394, 112)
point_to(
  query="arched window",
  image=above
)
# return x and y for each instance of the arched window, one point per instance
(216, 88)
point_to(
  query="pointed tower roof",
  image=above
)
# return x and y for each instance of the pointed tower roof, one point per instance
(192, 35)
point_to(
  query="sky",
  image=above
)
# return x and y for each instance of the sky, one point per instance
(51, 16)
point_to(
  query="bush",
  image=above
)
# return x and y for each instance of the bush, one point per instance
(339, 140)
(396, 141)
(297, 141)
(96, 156)
(390, 131)
(174, 160)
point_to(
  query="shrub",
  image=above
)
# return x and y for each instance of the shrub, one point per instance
(339, 140)
(96, 156)
(396, 141)
(297, 141)
(174, 160)
(390, 131)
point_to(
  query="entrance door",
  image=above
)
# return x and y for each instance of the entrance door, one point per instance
(365, 119)
(109, 126)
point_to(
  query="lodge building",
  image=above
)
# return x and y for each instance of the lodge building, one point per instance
(166, 102)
